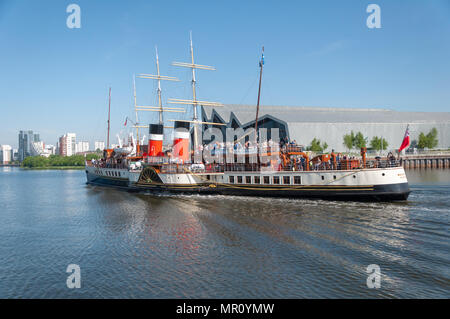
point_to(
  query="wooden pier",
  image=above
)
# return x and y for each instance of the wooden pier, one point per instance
(426, 161)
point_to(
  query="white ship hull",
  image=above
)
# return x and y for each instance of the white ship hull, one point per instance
(357, 184)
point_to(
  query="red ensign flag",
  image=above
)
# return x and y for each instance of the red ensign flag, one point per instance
(406, 141)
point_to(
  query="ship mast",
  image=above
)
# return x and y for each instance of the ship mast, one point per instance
(138, 148)
(194, 102)
(158, 108)
(159, 88)
(261, 64)
(109, 117)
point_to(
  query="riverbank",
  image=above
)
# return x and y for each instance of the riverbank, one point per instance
(57, 161)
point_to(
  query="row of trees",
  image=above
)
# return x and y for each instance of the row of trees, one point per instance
(57, 161)
(358, 140)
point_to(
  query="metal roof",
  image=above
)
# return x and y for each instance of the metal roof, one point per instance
(301, 114)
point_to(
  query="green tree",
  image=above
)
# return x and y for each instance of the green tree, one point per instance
(92, 156)
(317, 146)
(360, 140)
(378, 143)
(349, 140)
(432, 138)
(35, 161)
(57, 160)
(428, 141)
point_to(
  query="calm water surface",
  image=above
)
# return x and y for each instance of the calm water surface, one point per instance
(142, 246)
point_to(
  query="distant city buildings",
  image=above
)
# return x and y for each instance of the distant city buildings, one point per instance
(6, 154)
(26, 147)
(48, 150)
(98, 145)
(30, 144)
(82, 147)
(67, 144)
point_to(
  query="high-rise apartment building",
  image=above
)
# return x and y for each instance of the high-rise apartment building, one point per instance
(67, 144)
(5, 154)
(82, 147)
(26, 140)
(98, 145)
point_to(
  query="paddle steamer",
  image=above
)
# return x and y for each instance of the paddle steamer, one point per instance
(260, 168)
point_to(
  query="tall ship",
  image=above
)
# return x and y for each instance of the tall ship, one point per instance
(248, 163)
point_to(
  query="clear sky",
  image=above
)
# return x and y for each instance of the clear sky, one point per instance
(55, 80)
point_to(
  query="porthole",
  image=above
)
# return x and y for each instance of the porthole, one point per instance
(383, 174)
(354, 176)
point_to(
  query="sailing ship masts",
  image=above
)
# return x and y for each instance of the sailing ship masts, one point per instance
(194, 96)
(159, 78)
(194, 102)
(261, 63)
(109, 117)
(137, 118)
(159, 89)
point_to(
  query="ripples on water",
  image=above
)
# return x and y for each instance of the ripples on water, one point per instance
(142, 246)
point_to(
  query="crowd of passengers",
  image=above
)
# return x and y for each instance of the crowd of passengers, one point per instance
(247, 147)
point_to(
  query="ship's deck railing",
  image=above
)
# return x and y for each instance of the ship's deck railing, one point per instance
(342, 165)
(157, 160)
(99, 164)
(242, 167)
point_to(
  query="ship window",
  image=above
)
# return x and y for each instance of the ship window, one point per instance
(354, 176)
(297, 180)
(286, 180)
(276, 179)
(266, 180)
(119, 174)
(248, 179)
(208, 177)
(334, 176)
(323, 177)
(256, 180)
(383, 174)
(239, 179)
(231, 179)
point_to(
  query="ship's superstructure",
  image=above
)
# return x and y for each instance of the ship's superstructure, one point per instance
(249, 163)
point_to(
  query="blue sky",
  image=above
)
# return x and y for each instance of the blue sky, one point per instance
(55, 80)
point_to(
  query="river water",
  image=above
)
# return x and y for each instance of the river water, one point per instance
(143, 246)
